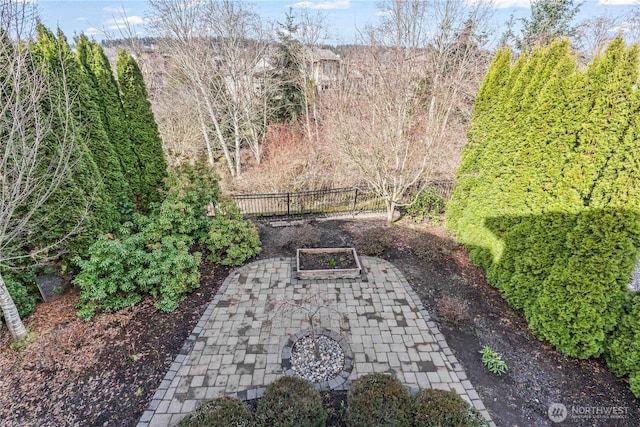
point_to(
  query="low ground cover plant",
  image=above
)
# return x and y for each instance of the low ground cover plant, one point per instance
(373, 242)
(493, 361)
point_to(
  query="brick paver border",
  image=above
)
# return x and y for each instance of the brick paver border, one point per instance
(444, 357)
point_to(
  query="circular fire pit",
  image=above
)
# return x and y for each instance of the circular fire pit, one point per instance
(326, 360)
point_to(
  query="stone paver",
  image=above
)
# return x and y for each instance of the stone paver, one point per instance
(236, 347)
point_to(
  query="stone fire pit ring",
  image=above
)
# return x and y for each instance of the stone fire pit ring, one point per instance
(341, 374)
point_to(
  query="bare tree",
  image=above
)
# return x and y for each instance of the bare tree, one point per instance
(217, 53)
(34, 159)
(420, 70)
(594, 35)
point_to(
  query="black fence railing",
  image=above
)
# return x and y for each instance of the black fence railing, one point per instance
(329, 202)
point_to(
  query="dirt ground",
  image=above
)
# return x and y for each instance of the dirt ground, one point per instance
(472, 314)
(104, 372)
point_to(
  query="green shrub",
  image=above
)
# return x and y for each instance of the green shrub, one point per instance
(634, 383)
(152, 254)
(231, 240)
(427, 204)
(623, 349)
(171, 272)
(221, 412)
(22, 287)
(291, 402)
(545, 199)
(440, 408)
(377, 400)
(109, 279)
(184, 210)
(121, 270)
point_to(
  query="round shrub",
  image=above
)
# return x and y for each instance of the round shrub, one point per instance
(441, 408)
(221, 412)
(378, 400)
(291, 402)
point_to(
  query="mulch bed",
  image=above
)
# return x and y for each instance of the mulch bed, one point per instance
(105, 372)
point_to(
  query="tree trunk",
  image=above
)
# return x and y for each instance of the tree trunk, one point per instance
(10, 311)
(205, 134)
(237, 141)
(391, 207)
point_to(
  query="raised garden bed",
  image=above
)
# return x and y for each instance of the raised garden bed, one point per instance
(327, 263)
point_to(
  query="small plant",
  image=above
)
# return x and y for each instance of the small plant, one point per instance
(291, 402)
(24, 342)
(453, 309)
(441, 408)
(221, 412)
(427, 204)
(379, 400)
(332, 262)
(493, 361)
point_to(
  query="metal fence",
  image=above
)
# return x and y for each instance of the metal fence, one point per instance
(335, 201)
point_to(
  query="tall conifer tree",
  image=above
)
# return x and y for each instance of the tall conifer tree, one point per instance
(144, 130)
(83, 194)
(115, 119)
(106, 156)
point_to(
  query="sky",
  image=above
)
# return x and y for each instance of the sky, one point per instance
(100, 19)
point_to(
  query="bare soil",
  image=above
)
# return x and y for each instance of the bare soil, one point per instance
(105, 372)
(327, 261)
(472, 314)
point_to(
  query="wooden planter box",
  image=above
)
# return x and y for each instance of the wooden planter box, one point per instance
(327, 263)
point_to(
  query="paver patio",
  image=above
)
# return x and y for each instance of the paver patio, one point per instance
(236, 346)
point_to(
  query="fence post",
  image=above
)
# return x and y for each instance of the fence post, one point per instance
(288, 204)
(355, 201)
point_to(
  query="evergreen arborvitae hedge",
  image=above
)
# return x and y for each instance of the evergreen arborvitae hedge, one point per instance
(82, 196)
(115, 120)
(548, 192)
(145, 137)
(106, 133)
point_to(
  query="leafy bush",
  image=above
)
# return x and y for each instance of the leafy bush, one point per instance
(377, 400)
(427, 204)
(171, 272)
(231, 240)
(373, 242)
(440, 408)
(120, 271)
(109, 278)
(221, 412)
(192, 189)
(151, 255)
(623, 349)
(291, 402)
(493, 361)
(22, 287)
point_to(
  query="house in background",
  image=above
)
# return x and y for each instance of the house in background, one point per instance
(325, 67)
